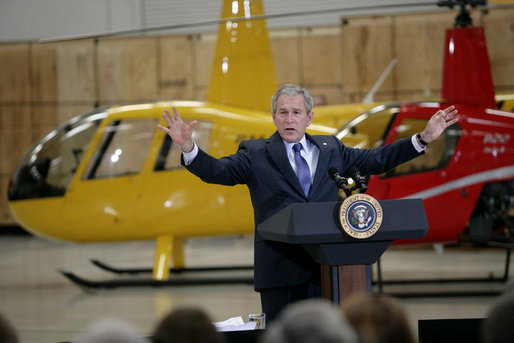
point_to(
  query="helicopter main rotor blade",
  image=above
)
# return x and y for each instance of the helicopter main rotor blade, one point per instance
(231, 19)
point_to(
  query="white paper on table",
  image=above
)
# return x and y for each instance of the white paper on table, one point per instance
(234, 324)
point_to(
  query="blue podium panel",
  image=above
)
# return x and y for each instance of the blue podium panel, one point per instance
(315, 223)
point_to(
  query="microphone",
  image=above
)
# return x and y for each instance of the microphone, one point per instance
(340, 181)
(360, 182)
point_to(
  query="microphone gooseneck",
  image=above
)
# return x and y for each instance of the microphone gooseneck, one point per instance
(340, 181)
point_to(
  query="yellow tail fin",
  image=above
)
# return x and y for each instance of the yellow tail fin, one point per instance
(243, 73)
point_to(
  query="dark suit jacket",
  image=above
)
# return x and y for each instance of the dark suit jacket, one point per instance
(263, 166)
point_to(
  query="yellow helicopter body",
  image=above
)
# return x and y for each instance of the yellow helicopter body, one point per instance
(121, 201)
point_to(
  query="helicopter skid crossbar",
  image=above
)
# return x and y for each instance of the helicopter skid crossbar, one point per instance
(471, 293)
(441, 294)
(116, 270)
(86, 283)
(489, 278)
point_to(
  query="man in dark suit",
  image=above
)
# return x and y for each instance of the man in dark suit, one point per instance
(278, 172)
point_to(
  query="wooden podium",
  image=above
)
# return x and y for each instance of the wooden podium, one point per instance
(343, 259)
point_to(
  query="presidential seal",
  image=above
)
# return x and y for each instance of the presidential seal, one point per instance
(360, 216)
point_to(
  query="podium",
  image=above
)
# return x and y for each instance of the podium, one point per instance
(343, 259)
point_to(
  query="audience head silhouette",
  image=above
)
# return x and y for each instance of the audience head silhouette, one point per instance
(498, 324)
(309, 321)
(187, 325)
(8, 333)
(110, 330)
(378, 319)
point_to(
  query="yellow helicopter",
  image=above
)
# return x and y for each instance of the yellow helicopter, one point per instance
(109, 175)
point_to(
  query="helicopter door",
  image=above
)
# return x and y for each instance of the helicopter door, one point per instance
(105, 193)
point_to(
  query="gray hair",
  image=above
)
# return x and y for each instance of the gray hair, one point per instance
(110, 330)
(310, 321)
(292, 91)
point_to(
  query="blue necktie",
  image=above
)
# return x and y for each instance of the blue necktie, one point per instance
(302, 169)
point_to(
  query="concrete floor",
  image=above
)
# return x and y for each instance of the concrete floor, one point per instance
(44, 306)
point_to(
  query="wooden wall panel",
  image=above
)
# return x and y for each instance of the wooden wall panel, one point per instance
(366, 52)
(15, 73)
(63, 72)
(127, 70)
(75, 71)
(332, 94)
(15, 135)
(175, 67)
(15, 115)
(320, 51)
(204, 47)
(5, 215)
(419, 47)
(48, 117)
(285, 48)
(44, 73)
(499, 32)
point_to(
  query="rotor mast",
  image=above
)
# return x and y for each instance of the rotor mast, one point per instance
(467, 75)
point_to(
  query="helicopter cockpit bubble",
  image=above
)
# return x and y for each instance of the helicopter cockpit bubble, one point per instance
(47, 168)
(368, 130)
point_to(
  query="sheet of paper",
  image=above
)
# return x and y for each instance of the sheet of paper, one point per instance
(234, 324)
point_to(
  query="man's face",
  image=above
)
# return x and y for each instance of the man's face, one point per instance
(291, 119)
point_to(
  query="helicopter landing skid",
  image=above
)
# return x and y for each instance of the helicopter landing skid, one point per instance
(86, 283)
(115, 270)
(133, 282)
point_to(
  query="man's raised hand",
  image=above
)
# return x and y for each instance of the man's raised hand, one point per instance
(438, 123)
(178, 131)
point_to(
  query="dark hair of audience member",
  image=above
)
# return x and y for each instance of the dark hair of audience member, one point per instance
(308, 321)
(186, 325)
(378, 319)
(498, 326)
(8, 333)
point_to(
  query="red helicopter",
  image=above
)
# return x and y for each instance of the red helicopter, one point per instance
(466, 179)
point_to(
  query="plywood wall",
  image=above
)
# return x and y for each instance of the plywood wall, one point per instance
(175, 67)
(43, 85)
(499, 32)
(367, 49)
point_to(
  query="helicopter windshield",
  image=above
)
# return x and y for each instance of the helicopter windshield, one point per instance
(122, 150)
(48, 167)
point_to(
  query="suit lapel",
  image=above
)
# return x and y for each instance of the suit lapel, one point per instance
(323, 160)
(277, 150)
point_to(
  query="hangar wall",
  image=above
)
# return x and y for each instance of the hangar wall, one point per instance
(25, 20)
(42, 85)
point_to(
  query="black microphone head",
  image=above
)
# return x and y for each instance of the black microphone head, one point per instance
(332, 172)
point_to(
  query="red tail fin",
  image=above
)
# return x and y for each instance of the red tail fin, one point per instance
(467, 72)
